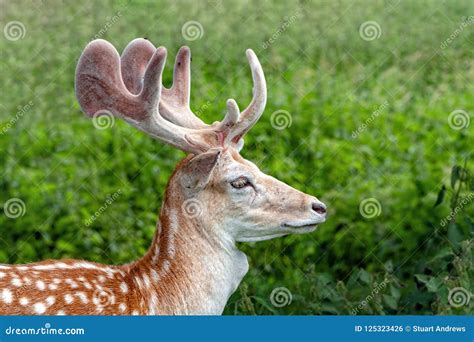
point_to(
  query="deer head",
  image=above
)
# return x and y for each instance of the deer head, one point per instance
(229, 192)
(214, 198)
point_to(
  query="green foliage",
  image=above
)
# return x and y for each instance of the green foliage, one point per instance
(369, 120)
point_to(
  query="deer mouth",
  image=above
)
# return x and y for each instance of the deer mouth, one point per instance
(304, 227)
(301, 225)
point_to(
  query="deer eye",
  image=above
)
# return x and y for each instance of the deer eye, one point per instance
(240, 182)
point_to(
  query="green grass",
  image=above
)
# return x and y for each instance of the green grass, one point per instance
(319, 70)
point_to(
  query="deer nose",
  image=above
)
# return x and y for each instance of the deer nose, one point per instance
(319, 208)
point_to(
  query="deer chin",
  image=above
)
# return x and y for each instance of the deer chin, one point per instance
(283, 230)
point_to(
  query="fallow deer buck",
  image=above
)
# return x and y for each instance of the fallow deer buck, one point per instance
(214, 199)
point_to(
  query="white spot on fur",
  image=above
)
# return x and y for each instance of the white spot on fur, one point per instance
(101, 278)
(68, 299)
(83, 297)
(135, 313)
(71, 283)
(50, 300)
(24, 301)
(122, 307)
(2, 275)
(153, 304)
(52, 287)
(155, 276)
(124, 287)
(60, 313)
(139, 282)
(40, 285)
(166, 266)
(7, 296)
(40, 308)
(173, 228)
(16, 282)
(146, 280)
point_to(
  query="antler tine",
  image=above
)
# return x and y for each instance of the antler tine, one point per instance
(245, 120)
(175, 101)
(100, 88)
(134, 60)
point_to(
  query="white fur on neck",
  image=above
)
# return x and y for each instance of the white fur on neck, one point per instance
(218, 268)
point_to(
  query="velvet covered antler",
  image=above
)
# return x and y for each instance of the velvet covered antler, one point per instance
(130, 87)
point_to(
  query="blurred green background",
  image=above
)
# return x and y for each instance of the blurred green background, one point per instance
(380, 112)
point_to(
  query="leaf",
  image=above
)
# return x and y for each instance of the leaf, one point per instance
(422, 278)
(364, 276)
(394, 291)
(440, 198)
(390, 301)
(433, 284)
(454, 234)
(443, 252)
(455, 175)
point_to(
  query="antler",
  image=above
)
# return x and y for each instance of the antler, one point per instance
(130, 87)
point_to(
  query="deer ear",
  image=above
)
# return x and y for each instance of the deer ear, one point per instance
(199, 169)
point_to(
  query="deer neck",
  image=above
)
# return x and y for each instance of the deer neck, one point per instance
(190, 268)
